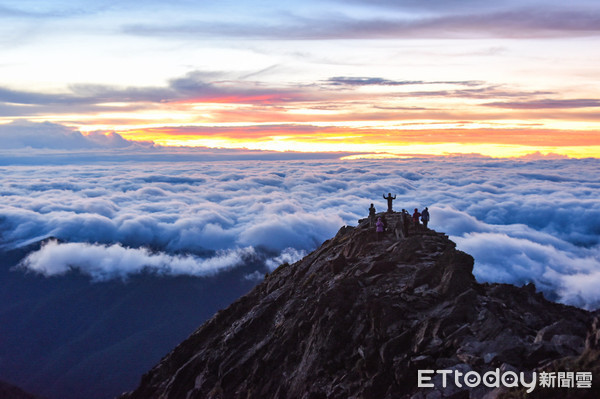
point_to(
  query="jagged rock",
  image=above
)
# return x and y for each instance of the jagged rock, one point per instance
(337, 264)
(357, 318)
(561, 327)
(592, 340)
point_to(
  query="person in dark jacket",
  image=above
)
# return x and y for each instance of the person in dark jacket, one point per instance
(389, 199)
(425, 217)
(372, 216)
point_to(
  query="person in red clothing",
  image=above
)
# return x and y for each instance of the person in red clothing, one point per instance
(416, 216)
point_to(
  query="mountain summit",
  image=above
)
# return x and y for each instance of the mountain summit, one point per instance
(359, 317)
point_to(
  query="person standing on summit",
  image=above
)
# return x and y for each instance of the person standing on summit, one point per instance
(416, 216)
(372, 216)
(425, 217)
(389, 199)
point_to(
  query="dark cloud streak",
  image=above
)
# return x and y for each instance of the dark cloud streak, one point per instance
(517, 22)
(191, 87)
(547, 104)
(376, 81)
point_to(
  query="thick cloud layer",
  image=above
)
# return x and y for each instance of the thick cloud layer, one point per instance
(104, 262)
(523, 221)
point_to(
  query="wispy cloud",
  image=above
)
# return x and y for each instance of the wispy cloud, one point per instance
(193, 87)
(377, 81)
(510, 22)
(196, 87)
(547, 104)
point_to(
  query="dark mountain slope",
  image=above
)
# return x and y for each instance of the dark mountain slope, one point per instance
(8, 391)
(357, 318)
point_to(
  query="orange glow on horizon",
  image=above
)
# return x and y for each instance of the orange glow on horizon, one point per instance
(379, 143)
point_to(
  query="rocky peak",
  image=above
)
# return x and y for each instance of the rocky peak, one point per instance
(359, 316)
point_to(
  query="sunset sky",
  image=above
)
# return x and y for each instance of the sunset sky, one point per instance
(504, 78)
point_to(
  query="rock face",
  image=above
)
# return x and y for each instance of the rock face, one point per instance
(358, 317)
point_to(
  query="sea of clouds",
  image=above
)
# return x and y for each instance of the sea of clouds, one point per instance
(522, 220)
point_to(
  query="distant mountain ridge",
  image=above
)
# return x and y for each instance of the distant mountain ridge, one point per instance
(358, 317)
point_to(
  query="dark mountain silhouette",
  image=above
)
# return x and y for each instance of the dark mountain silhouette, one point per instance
(8, 391)
(357, 318)
(65, 337)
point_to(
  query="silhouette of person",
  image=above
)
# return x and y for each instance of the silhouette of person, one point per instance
(372, 216)
(389, 199)
(425, 217)
(416, 216)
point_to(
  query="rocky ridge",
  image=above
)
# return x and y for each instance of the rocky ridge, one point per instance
(358, 317)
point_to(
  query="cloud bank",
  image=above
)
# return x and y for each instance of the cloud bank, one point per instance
(105, 262)
(33, 143)
(52, 136)
(523, 221)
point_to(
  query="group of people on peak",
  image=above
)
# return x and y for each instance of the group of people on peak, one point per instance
(406, 219)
